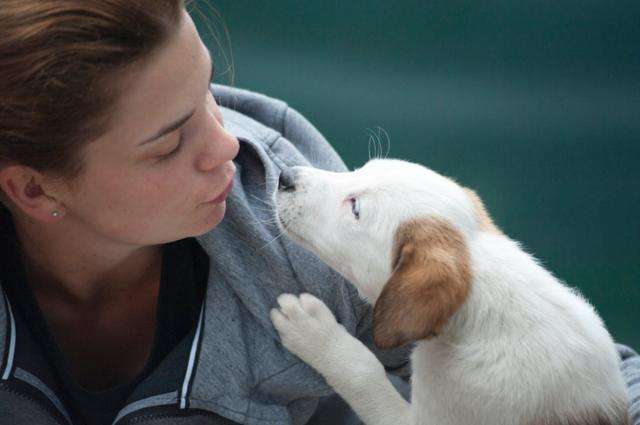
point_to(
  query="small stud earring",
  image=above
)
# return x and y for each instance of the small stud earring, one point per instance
(56, 213)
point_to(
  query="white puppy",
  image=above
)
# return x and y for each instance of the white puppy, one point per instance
(499, 340)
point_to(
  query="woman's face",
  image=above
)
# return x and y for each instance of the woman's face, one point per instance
(151, 178)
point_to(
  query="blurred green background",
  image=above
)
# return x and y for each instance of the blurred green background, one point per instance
(535, 104)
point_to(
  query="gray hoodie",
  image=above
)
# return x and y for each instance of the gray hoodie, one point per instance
(232, 364)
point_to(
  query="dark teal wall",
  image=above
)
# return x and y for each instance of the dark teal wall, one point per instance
(535, 104)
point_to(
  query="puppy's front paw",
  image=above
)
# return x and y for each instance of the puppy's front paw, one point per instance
(306, 326)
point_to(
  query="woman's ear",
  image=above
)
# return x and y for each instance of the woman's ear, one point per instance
(25, 189)
(431, 280)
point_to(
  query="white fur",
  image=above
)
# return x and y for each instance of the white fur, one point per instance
(522, 346)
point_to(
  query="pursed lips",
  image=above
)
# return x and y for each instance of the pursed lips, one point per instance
(223, 195)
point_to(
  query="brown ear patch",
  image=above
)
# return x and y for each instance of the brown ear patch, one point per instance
(431, 279)
(484, 220)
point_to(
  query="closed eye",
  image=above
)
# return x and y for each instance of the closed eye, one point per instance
(176, 149)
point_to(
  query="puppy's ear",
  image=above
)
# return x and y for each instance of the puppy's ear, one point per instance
(431, 280)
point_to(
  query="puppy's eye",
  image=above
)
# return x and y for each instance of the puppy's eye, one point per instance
(355, 207)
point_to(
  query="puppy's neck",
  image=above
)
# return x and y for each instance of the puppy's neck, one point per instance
(505, 281)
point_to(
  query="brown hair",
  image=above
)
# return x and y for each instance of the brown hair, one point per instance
(59, 64)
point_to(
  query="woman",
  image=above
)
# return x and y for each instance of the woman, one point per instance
(126, 297)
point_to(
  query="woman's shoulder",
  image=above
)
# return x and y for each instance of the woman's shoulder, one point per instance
(264, 109)
(290, 138)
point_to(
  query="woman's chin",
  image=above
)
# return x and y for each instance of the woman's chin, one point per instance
(214, 213)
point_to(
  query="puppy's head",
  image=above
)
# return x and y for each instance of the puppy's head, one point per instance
(398, 231)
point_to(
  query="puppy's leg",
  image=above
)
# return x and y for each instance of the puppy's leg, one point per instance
(308, 329)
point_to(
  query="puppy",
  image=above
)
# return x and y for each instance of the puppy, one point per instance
(498, 339)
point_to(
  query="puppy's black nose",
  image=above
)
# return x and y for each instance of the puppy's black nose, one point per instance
(287, 180)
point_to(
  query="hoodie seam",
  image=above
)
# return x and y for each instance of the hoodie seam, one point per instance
(225, 408)
(281, 371)
(266, 138)
(283, 119)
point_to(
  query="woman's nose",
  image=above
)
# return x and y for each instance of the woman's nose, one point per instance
(218, 150)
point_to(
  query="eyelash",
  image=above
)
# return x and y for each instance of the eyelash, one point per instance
(177, 148)
(174, 151)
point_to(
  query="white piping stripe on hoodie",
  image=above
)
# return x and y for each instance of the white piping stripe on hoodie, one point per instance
(35, 382)
(192, 357)
(156, 400)
(12, 343)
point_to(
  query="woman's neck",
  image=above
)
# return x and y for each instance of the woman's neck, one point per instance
(98, 298)
(83, 268)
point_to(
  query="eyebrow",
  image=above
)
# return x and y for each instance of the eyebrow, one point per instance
(179, 122)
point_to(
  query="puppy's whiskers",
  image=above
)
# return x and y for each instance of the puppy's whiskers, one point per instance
(382, 131)
(262, 201)
(271, 241)
(267, 223)
(264, 184)
(371, 142)
(262, 208)
(375, 140)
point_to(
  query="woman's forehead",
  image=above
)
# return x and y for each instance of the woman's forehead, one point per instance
(164, 87)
